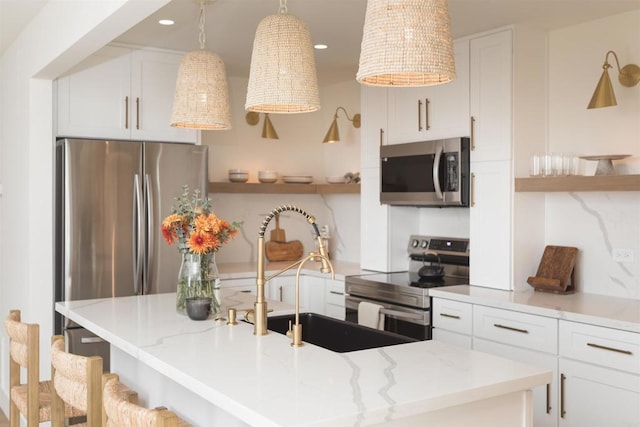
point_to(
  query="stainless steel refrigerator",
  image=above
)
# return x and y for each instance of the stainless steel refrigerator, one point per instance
(111, 197)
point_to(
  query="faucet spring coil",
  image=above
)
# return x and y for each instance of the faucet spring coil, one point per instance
(286, 208)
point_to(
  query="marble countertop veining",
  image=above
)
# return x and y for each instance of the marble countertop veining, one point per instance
(599, 310)
(264, 381)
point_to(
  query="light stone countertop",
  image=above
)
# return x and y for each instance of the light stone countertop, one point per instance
(599, 310)
(264, 381)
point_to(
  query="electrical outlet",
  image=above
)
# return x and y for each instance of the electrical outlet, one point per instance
(622, 255)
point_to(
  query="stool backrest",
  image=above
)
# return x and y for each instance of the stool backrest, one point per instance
(24, 351)
(120, 412)
(77, 381)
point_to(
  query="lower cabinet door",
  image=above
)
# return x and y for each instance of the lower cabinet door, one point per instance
(593, 396)
(545, 398)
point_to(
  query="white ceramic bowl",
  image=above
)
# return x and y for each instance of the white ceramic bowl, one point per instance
(238, 175)
(338, 179)
(267, 176)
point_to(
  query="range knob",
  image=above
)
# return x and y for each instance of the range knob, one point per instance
(415, 243)
(424, 244)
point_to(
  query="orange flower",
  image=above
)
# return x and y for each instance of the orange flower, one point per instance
(200, 243)
(169, 228)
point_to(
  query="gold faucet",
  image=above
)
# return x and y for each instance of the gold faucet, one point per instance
(260, 306)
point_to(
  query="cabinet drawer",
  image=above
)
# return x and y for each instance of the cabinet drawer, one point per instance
(335, 311)
(517, 329)
(453, 316)
(335, 292)
(602, 346)
(454, 338)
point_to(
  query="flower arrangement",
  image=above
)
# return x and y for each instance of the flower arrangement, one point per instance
(194, 227)
(199, 234)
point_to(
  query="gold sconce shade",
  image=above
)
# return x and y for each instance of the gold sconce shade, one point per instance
(333, 135)
(603, 96)
(201, 98)
(406, 43)
(268, 131)
(282, 76)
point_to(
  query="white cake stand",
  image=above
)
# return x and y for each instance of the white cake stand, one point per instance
(605, 166)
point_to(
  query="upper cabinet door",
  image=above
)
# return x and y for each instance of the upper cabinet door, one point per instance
(491, 96)
(432, 112)
(94, 98)
(153, 82)
(121, 93)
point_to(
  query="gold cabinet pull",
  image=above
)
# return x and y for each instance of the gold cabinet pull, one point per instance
(548, 398)
(419, 115)
(473, 185)
(473, 133)
(562, 380)
(426, 113)
(280, 293)
(604, 347)
(137, 113)
(510, 328)
(126, 112)
(451, 316)
(381, 136)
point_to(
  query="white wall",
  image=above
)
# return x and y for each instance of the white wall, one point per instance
(27, 69)
(299, 151)
(596, 222)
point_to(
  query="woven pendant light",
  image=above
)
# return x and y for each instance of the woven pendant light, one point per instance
(406, 43)
(282, 77)
(202, 96)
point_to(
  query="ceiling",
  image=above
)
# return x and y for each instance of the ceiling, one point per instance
(231, 24)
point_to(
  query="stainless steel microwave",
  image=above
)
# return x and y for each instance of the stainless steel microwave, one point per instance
(426, 173)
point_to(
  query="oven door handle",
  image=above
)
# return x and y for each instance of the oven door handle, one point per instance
(401, 314)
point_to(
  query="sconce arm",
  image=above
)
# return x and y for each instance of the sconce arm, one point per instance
(628, 76)
(355, 119)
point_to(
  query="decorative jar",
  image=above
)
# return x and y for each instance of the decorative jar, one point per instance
(198, 277)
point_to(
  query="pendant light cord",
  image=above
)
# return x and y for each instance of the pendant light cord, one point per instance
(201, 36)
(283, 6)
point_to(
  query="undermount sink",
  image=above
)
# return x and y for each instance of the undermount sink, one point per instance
(336, 335)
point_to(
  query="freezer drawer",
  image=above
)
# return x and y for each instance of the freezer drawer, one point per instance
(81, 341)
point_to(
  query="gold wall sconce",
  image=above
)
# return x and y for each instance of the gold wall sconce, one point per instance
(628, 76)
(268, 131)
(333, 135)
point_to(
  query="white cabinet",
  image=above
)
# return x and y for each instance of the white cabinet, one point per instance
(121, 93)
(312, 292)
(384, 230)
(452, 322)
(491, 96)
(490, 214)
(525, 337)
(432, 112)
(246, 285)
(334, 299)
(600, 376)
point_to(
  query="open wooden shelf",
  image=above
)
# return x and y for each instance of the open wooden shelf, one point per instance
(579, 183)
(278, 188)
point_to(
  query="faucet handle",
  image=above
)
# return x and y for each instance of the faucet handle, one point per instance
(289, 333)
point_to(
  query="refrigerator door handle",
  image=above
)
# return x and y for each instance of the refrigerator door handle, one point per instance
(137, 230)
(150, 232)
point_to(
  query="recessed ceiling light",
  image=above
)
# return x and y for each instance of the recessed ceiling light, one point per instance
(320, 46)
(166, 22)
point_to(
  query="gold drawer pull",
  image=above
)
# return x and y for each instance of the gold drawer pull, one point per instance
(604, 347)
(563, 412)
(452, 316)
(523, 331)
(336, 293)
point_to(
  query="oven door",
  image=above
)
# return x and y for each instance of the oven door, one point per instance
(410, 322)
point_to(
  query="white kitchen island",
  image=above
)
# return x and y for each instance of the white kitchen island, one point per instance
(213, 374)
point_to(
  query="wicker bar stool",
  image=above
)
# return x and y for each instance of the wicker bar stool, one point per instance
(120, 412)
(77, 381)
(32, 399)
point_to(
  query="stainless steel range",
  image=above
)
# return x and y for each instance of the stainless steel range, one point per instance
(404, 296)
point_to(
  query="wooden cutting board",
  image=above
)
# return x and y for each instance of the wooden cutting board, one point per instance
(555, 272)
(277, 234)
(284, 251)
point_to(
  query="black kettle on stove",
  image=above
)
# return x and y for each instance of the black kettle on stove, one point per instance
(431, 271)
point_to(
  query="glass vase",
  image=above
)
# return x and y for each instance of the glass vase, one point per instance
(198, 277)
